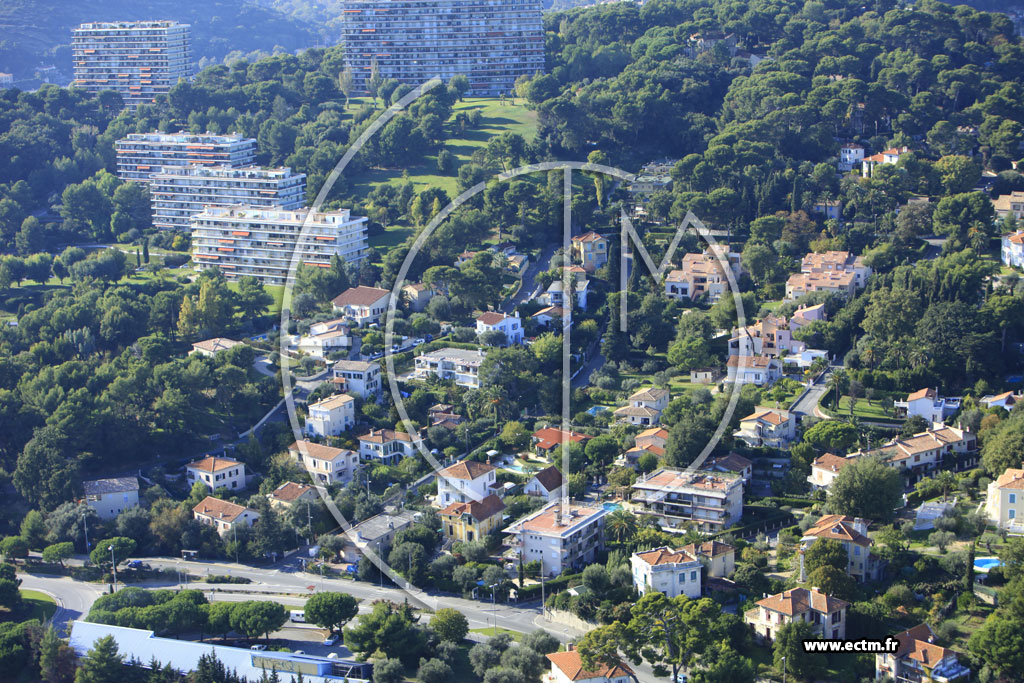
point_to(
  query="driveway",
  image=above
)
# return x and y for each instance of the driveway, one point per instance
(529, 287)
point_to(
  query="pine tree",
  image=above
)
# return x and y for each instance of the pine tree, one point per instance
(188, 321)
(138, 259)
(145, 250)
(209, 309)
(103, 663)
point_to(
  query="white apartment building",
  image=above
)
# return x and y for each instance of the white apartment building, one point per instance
(838, 272)
(111, 497)
(645, 407)
(222, 515)
(850, 155)
(332, 416)
(560, 542)
(772, 336)
(825, 614)
(490, 43)
(386, 446)
(216, 472)
(362, 305)
(137, 59)
(180, 192)
(464, 482)
(323, 344)
(701, 275)
(672, 572)
(460, 365)
(924, 453)
(141, 155)
(1004, 505)
(326, 465)
(263, 242)
(709, 502)
(357, 377)
(509, 325)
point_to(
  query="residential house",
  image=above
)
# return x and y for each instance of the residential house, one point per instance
(465, 481)
(672, 572)
(731, 462)
(718, 558)
(825, 614)
(655, 436)
(444, 415)
(771, 336)
(554, 296)
(216, 472)
(709, 502)
(472, 520)
(386, 446)
(645, 407)
(358, 378)
(326, 464)
(111, 497)
(1004, 505)
(590, 250)
(567, 667)
(322, 344)
(418, 295)
(705, 375)
(889, 156)
(517, 263)
(362, 305)
(767, 427)
(561, 540)
(332, 416)
(825, 469)
(546, 440)
(759, 370)
(832, 271)
(850, 155)
(211, 347)
(291, 493)
(509, 325)
(1012, 250)
(224, 516)
(928, 404)
(643, 186)
(460, 365)
(799, 284)
(922, 454)
(706, 41)
(920, 660)
(852, 534)
(551, 317)
(1005, 400)
(465, 257)
(547, 484)
(829, 208)
(376, 534)
(701, 275)
(805, 315)
(1009, 205)
(631, 458)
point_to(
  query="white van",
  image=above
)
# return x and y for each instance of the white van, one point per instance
(298, 616)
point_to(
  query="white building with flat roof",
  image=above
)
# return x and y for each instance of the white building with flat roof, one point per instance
(180, 192)
(460, 365)
(141, 155)
(262, 242)
(137, 59)
(710, 502)
(560, 541)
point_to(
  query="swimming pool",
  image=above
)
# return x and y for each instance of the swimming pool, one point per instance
(983, 564)
(594, 410)
(611, 507)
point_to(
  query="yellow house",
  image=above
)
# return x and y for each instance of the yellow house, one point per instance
(472, 520)
(1005, 504)
(590, 250)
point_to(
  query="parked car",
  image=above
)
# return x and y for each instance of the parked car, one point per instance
(258, 648)
(298, 616)
(331, 639)
(418, 341)
(137, 564)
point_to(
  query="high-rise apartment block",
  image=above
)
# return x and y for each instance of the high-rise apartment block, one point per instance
(137, 59)
(491, 42)
(241, 240)
(180, 192)
(142, 155)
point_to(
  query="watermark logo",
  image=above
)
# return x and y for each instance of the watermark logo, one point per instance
(628, 237)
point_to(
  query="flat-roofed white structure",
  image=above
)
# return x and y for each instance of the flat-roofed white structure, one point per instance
(560, 539)
(137, 59)
(261, 242)
(180, 192)
(141, 155)
(710, 502)
(461, 365)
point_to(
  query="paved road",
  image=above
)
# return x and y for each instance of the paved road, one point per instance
(529, 286)
(808, 404)
(74, 598)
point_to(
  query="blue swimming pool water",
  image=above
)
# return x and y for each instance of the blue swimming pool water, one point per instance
(986, 563)
(594, 410)
(611, 506)
(514, 468)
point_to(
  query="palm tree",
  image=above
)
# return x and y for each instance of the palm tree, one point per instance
(946, 480)
(838, 381)
(621, 525)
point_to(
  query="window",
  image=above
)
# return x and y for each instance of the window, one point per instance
(1013, 498)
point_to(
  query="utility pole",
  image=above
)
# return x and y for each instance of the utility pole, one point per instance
(234, 533)
(113, 565)
(543, 602)
(494, 608)
(309, 518)
(783, 670)
(85, 521)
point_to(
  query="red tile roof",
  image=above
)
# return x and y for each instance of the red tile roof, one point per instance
(549, 437)
(801, 600)
(467, 469)
(478, 510)
(219, 509)
(571, 664)
(213, 464)
(360, 296)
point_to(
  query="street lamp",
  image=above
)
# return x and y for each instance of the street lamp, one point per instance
(85, 521)
(113, 565)
(783, 670)
(494, 608)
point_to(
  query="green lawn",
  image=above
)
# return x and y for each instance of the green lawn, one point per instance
(37, 605)
(879, 410)
(516, 635)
